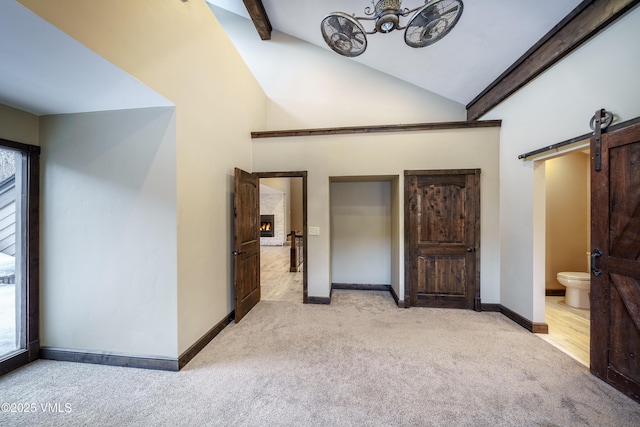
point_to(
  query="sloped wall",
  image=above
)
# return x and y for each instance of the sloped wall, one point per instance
(180, 50)
(311, 87)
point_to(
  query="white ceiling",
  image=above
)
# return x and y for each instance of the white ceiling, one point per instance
(490, 36)
(44, 71)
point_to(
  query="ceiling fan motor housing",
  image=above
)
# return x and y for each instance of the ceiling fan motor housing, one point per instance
(387, 15)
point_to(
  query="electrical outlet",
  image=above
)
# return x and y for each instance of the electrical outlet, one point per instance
(314, 231)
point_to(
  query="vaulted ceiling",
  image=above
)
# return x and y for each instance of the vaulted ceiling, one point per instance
(490, 36)
(45, 71)
(496, 47)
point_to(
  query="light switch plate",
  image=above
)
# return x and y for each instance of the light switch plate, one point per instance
(314, 231)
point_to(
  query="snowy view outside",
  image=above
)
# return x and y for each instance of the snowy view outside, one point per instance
(7, 164)
(8, 331)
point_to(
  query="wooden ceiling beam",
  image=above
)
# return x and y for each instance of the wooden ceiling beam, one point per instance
(376, 129)
(259, 17)
(584, 22)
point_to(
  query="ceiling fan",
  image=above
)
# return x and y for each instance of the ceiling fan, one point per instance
(429, 23)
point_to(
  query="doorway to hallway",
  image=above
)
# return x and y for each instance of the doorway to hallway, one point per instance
(283, 254)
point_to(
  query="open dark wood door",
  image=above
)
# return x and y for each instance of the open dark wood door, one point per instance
(246, 254)
(442, 238)
(615, 278)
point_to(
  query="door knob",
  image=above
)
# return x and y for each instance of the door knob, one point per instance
(236, 253)
(471, 249)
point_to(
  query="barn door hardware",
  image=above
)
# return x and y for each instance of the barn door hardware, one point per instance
(601, 120)
(596, 271)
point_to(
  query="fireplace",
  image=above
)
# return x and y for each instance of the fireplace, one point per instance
(266, 225)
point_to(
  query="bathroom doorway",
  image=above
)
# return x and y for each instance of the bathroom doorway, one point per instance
(563, 204)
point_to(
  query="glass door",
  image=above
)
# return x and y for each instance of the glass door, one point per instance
(19, 212)
(10, 306)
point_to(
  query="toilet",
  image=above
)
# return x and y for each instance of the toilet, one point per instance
(578, 285)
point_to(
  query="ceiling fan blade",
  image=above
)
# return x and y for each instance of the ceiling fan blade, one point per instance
(345, 27)
(334, 22)
(434, 14)
(453, 9)
(357, 40)
(344, 34)
(433, 22)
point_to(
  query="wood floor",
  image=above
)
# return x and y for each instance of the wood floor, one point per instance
(276, 282)
(568, 328)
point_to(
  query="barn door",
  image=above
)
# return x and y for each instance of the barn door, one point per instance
(442, 236)
(246, 254)
(615, 278)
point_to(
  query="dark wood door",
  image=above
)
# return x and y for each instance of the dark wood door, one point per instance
(442, 236)
(615, 278)
(246, 254)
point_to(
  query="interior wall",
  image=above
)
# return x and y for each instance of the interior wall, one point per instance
(555, 107)
(387, 154)
(108, 268)
(361, 232)
(180, 50)
(19, 126)
(312, 87)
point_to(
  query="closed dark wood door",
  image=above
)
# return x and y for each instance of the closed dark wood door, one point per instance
(442, 229)
(615, 278)
(246, 254)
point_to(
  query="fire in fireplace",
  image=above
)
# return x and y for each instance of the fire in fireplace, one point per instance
(266, 225)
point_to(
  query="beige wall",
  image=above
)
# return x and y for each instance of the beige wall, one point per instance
(180, 50)
(19, 126)
(567, 225)
(387, 154)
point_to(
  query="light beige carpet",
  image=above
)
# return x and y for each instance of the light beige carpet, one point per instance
(359, 362)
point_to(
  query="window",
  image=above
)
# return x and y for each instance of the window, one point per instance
(19, 254)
